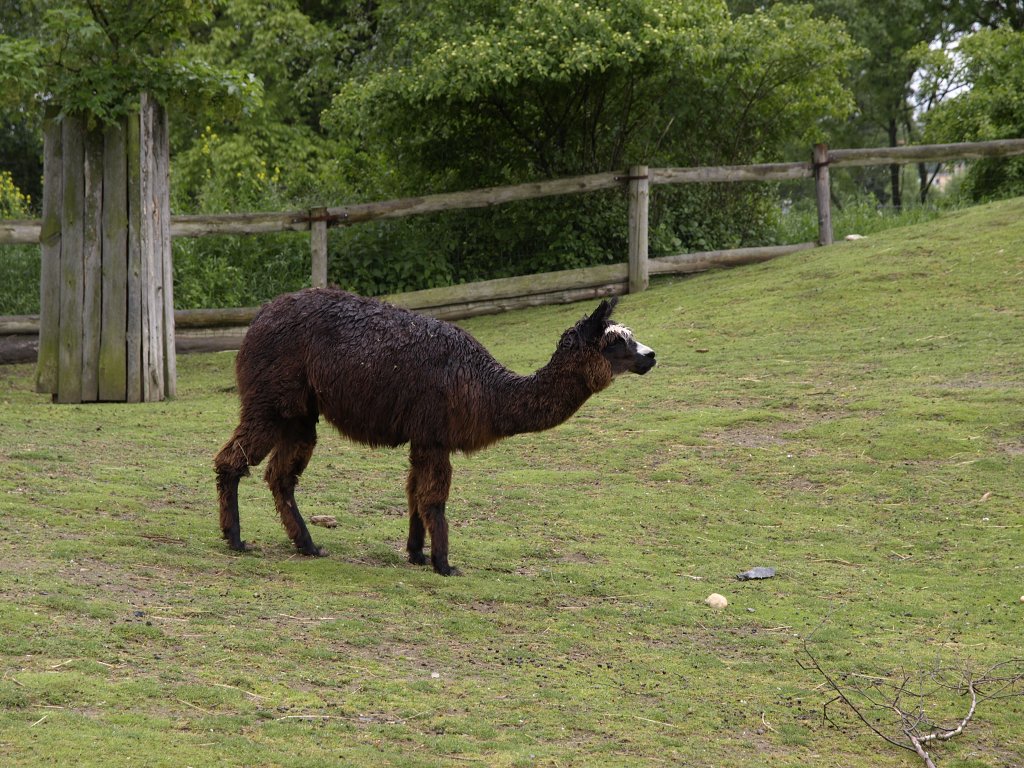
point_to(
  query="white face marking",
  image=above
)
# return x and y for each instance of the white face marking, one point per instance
(643, 349)
(618, 330)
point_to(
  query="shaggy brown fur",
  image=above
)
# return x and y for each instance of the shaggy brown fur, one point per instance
(385, 376)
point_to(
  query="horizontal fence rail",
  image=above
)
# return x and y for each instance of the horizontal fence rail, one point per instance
(28, 231)
(223, 328)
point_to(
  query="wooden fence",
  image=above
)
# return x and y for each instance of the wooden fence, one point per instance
(497, 295)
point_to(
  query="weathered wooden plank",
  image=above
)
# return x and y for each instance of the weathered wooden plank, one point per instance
(214, 318)
(50, 246)
(113, 371)
(733, 173)
(639, 199)
(477, 198)
(686, 263)
(133, 332)
(823, 193)
(162, 199)
(15, 325)
(473, 309)
(92, 248)
(209, 339)
(20, 231)
(239, 224)
(152, 263)
(511, 287)
(23, 348)
(842, 158)
(69, 358)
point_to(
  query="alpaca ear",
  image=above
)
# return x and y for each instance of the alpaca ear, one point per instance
(604, 310)
(593, 326)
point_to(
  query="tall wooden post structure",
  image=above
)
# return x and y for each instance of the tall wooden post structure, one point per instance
(107, 285)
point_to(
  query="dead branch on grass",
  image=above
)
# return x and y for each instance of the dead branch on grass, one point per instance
(893, 707)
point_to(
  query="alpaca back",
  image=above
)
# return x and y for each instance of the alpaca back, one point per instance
(380, 374)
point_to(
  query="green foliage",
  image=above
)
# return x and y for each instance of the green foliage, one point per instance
(779, 75)
(19, 264)
(94, 58)
(19, 279)
(14, 204)
(485, 94)
(556, 87)
(387, 257)
(893, 40)
(992, 107)
(238, 271)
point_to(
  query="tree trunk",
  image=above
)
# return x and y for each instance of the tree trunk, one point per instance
(922, 175)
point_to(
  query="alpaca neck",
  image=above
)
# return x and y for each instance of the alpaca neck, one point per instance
(542, 400)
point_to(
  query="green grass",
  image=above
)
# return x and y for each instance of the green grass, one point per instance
(852, 416)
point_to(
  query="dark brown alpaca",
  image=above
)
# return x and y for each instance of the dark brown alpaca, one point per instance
(386, 376)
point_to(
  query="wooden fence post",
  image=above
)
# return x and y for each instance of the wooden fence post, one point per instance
(69, 357)
(50, 243)
(107, 295)
(823, 190)
(113, 367)
(639, 198)
(318, 246)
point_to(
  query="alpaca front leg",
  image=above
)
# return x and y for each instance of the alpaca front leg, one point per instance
(430, 477)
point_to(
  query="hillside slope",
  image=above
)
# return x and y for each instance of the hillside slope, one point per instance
(851, 416)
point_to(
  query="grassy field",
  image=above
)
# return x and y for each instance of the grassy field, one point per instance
(851, 416)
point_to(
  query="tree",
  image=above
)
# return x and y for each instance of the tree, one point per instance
(990, 14)
(991, 61)
(482, 93)
(553, 87)
(94, 58)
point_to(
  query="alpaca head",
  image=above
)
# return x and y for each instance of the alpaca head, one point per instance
(611, 347)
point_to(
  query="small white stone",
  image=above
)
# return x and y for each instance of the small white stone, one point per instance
(716, 600)
(854, 237)
(1022, 598)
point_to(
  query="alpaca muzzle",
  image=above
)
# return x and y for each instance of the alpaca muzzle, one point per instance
(644, 360)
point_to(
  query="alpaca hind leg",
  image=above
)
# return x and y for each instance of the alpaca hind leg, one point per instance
(247, 447)
(288, 462)
(417, 531)
(433, 476)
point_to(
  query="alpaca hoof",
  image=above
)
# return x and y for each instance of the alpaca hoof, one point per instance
(418, 558)
(313, 551)
(448, 570)
(240, 546)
